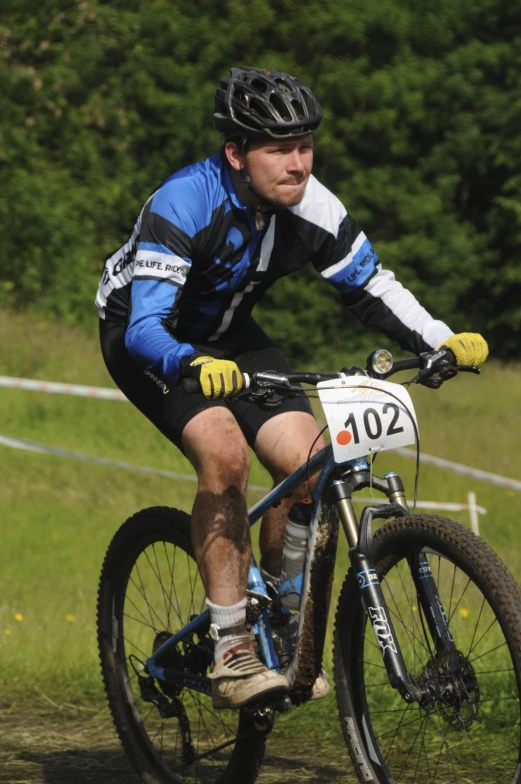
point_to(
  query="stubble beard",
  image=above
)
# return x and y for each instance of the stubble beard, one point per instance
(288, 200)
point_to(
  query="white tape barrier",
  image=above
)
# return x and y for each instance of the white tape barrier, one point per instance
(61, 389)
(114, 394)
(472, 507)
(31, 446)
(457, 468)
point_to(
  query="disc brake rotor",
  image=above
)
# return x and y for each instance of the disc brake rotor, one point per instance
(450, 682)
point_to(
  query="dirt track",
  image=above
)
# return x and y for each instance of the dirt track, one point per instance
(67, 746)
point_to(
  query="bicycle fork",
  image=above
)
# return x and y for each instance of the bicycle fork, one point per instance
(360, 553)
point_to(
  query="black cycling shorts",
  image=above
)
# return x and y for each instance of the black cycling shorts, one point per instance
(170, 408)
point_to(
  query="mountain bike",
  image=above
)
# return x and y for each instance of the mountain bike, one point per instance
(427, 634)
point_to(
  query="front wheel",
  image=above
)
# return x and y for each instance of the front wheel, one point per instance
(149, 589)
(469, 730)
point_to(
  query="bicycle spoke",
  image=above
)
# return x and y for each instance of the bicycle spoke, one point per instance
(404, 713)
(449, 740)
(476, 627)
(483, 636)
(158, 595)
(487, 653)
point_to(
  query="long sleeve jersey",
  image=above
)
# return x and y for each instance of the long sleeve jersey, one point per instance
(198, 261)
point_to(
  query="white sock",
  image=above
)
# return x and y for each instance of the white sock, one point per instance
(223, 617)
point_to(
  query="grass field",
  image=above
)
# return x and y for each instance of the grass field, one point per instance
(58, 515)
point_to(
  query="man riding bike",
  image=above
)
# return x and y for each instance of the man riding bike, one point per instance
(176, 300)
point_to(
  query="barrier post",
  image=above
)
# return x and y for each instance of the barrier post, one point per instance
(473, 512)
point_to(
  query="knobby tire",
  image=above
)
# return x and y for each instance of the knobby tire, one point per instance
(471, 731)
(150, 588)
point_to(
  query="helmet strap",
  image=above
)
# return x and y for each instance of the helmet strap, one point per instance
(247, 182)
(241, 143)
(244, 172)
(246, 177)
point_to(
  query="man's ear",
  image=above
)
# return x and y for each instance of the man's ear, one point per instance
(234, 155)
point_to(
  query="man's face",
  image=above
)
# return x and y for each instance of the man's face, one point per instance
(280, 169)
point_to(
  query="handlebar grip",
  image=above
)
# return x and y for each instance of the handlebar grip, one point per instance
(190, 385)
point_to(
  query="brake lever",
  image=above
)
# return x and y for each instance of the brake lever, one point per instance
(268, 397)
(444, 371)
(265, 392)
(432, 359)
(263, 389)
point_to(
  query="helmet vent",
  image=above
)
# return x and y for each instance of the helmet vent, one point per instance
(280, 107)
(260, 85)
(258, 103)
(259, 108)
(299, 110)
(284, 86)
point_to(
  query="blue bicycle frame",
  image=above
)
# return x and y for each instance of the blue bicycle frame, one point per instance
(322, 460)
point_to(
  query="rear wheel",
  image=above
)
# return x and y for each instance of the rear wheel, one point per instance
(149, 589)
(469, 731)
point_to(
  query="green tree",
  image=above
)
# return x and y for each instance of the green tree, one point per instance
(421, 140)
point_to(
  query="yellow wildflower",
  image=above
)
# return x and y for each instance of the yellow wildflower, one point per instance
(18, 617)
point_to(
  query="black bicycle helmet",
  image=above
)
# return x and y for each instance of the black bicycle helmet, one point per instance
(254, 102)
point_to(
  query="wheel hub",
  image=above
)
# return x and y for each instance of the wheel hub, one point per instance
(450, 687)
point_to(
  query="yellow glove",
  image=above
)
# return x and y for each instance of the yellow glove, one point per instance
(469, 348)
(217, 377)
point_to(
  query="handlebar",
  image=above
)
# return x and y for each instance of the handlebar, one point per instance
(190, 386)
(438, 366)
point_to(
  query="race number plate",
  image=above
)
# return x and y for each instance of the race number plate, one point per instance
(365, 415)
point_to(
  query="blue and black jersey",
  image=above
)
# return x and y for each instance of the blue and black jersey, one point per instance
(198, 261)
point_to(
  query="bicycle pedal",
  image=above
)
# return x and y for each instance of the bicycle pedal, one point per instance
(259, 710)
(284, 704)
(301, 695)
(263, 715)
